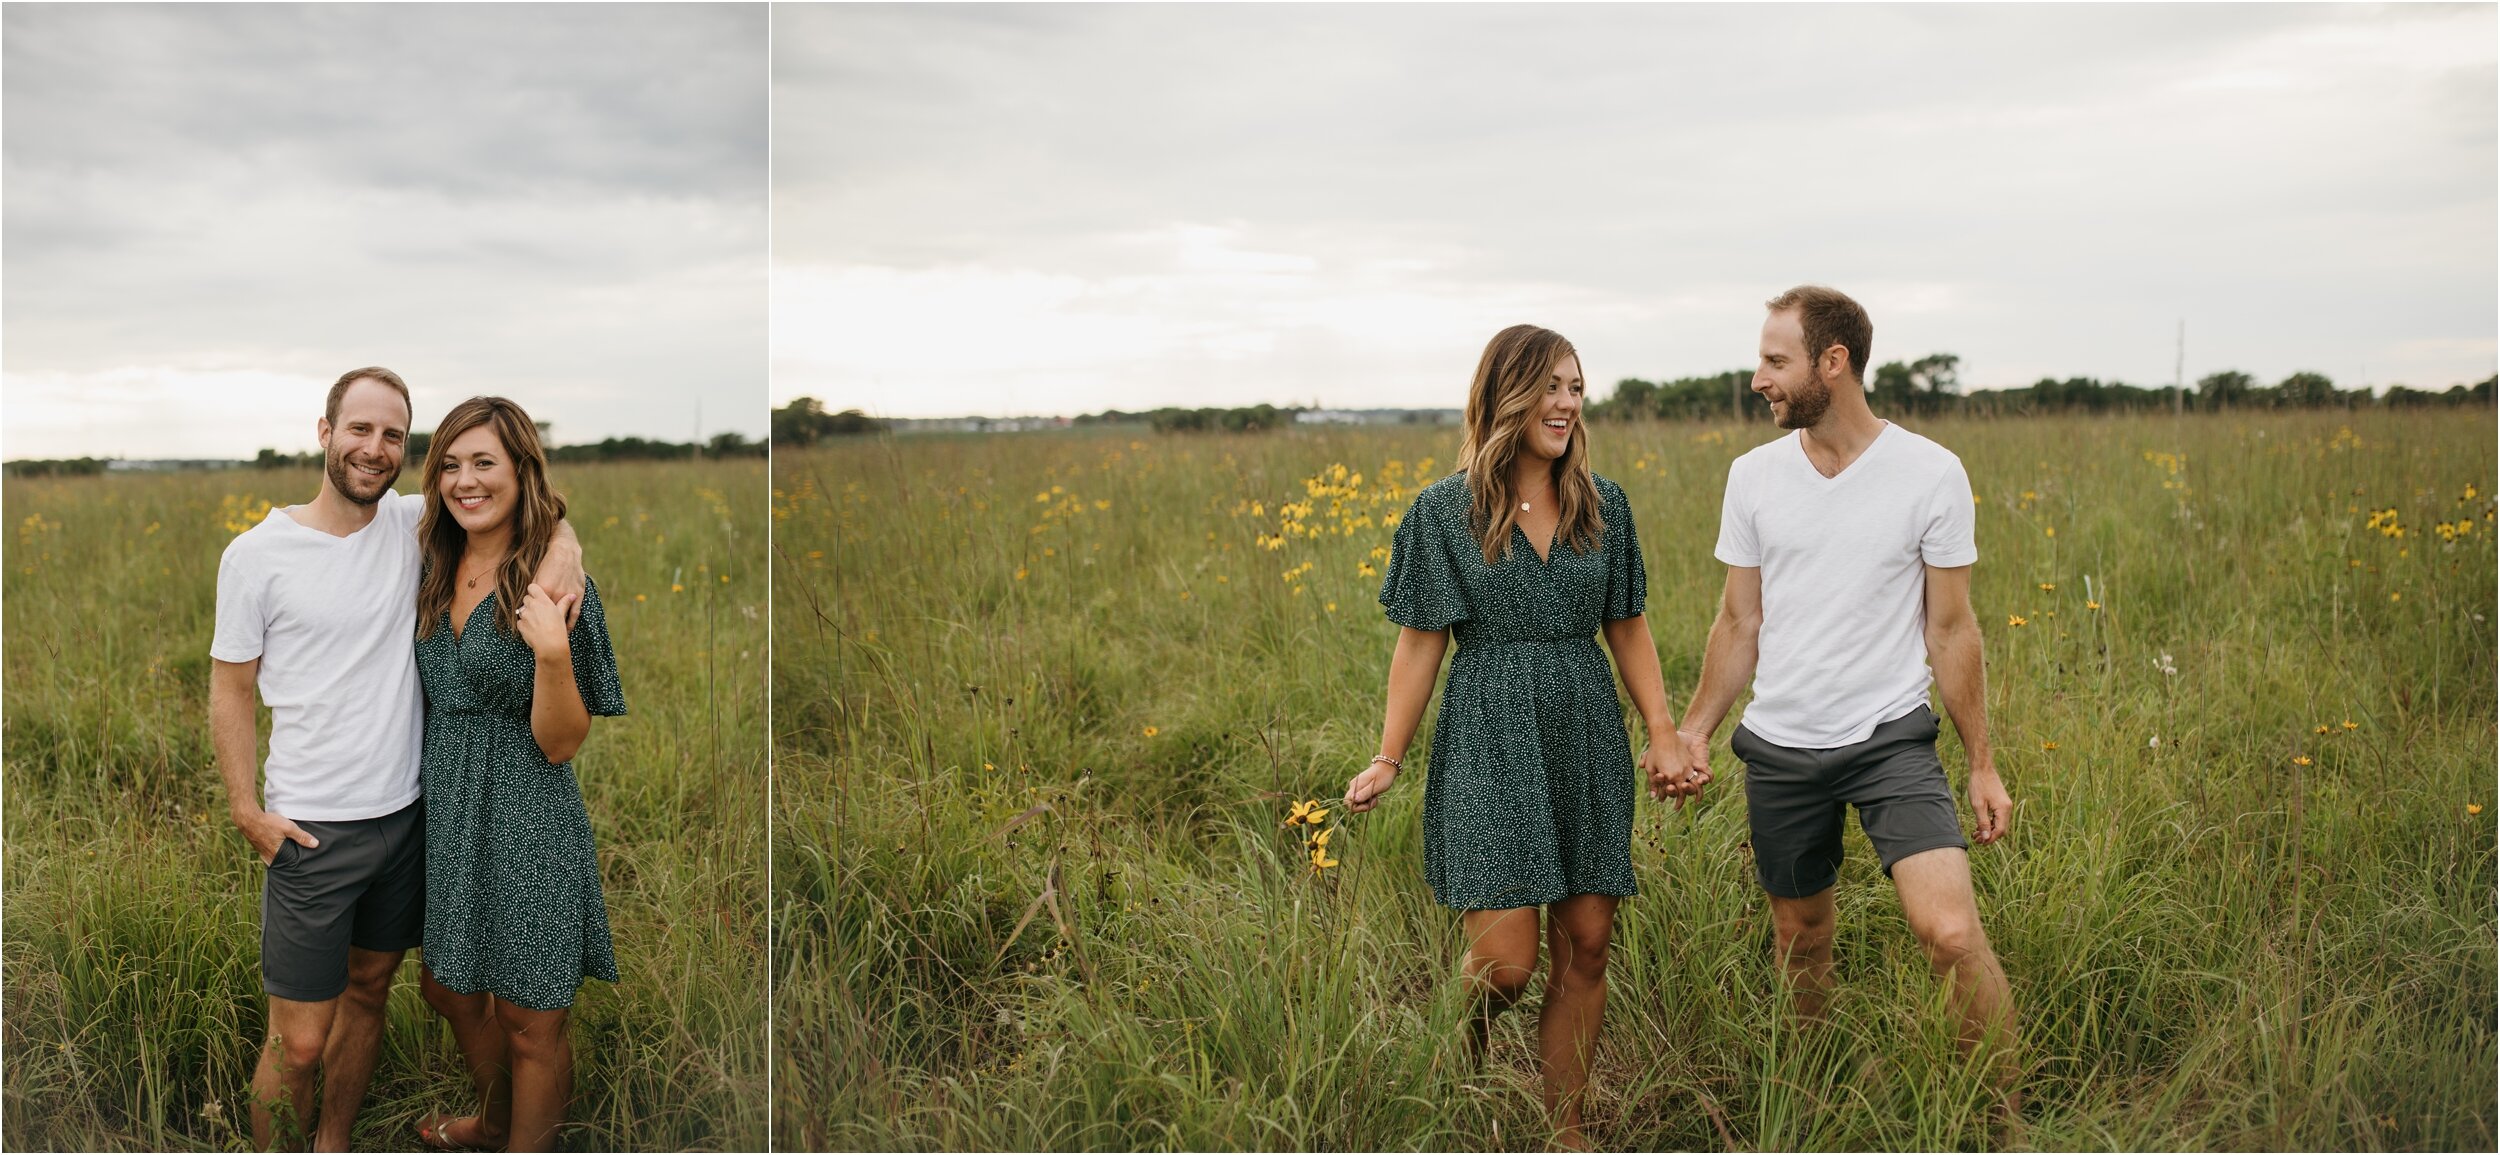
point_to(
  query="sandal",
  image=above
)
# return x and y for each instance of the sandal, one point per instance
(434, 1130)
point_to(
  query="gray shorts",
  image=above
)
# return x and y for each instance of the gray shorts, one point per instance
(1796, 801)
(363, 886)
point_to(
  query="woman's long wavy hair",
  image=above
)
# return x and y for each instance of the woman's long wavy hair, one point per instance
(1510, 384)
(535, 512)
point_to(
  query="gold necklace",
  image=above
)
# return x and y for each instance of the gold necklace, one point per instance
(490, 568)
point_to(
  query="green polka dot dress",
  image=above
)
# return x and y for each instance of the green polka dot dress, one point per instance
(512, 899)
(1530, 781)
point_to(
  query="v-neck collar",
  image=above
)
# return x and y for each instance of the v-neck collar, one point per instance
(1546, 559)
(1858, 465)
(460, 630)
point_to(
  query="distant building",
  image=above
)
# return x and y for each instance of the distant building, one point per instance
(169, 465)
(973, 424)
(1378, 417)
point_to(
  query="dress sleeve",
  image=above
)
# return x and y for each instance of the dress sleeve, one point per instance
(594, 661)
(1627, 577)
(1422, 590)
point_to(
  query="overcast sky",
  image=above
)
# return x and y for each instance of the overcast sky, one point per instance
(1062, 209)
(213, 210)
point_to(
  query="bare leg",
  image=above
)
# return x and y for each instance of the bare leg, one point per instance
(541, 1047)
(1802, 941)
(1501, 958)
(354, 1045)
(473, 1026)
(1937, 900)
(289, 1062)
(1578, 931)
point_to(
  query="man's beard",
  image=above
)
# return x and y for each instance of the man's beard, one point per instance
(347, 481)
(1806, 404)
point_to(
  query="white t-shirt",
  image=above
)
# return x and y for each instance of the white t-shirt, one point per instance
(333, 621)
(1844, 579)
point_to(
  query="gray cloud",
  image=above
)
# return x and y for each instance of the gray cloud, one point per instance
(565, 203)
(2044, 189)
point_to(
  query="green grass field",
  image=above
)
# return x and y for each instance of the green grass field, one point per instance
(2248, 900)
(133, 1005)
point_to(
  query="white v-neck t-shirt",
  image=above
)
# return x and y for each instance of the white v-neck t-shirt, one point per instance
(333, 621)
(1843, 647)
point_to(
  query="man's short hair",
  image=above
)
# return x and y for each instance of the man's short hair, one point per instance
(330, 411)
(1829, 318)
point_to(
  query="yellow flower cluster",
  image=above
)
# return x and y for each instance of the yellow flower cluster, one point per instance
(241, 512)
(1336, 503)
(2172, 465)
(1310, 817)
(2385, 522)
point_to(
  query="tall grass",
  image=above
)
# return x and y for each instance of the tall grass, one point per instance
(1066, 668)
(133, 1004)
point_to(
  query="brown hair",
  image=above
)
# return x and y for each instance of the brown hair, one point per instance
(1510, 382)
(330, 408)
(1829, 318)
(536, 510)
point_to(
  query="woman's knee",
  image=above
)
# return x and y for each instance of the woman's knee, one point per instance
(1502, 977)
(532, 1035)
(452, 1004)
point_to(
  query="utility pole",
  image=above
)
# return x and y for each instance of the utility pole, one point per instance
(2178, 374)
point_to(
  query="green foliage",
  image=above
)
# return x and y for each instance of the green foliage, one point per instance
(62, 467)
(2213, 943)
(1726, 395)
(132, 1000)
(804, 421)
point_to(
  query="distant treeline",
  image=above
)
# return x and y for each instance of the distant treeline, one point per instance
(1932, 385)
(64, 467)
(805, 422)
(612, 449)
(1171, 419)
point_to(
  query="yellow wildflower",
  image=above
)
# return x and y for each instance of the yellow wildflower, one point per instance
(2017, 620)
(1151, 731)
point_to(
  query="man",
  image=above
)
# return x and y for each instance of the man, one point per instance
(316, 607)
(1849, 551)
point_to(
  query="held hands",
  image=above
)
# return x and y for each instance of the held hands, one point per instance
(544, 621)
(1678, 768)
(1365, 790)
(1990, 806)
(266, 832)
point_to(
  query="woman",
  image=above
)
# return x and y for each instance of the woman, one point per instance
(514, 919)
(1524, 553)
